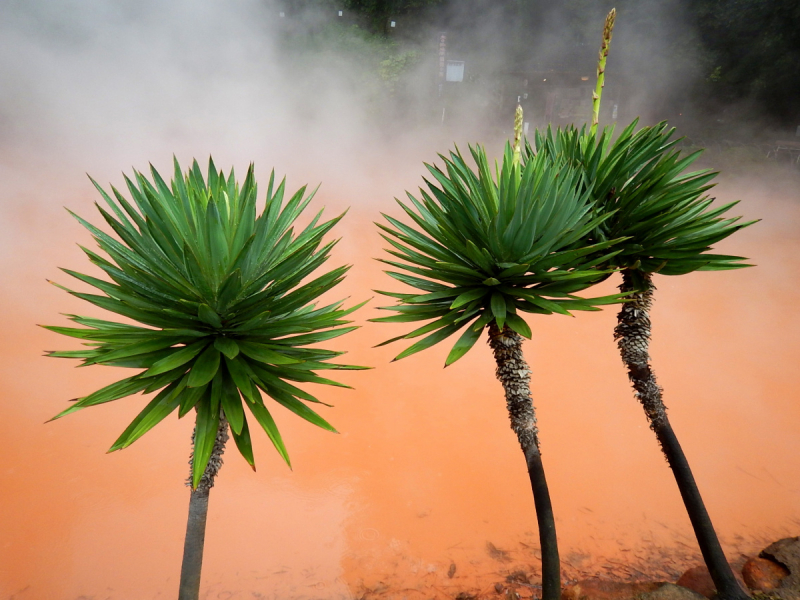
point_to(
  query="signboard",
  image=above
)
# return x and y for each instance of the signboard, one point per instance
(455, 70)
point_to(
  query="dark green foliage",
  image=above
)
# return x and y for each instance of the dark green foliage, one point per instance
(662, 213)
(751, 51)
(490, 247)
(219, 291)
(371, 15)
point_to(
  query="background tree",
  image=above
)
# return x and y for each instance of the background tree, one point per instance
(224, 311)
(378, 13)
(751, 54)
(373, 15)
(696, 57)
(487, 248)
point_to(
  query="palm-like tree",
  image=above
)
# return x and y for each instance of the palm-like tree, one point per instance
(668, 225)
(486, 249)
(224, 315)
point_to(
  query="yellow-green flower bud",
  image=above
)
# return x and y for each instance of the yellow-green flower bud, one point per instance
(601, 68)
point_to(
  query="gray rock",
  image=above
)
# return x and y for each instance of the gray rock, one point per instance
(787, 553)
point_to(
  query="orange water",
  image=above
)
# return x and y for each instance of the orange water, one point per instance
(426, 472)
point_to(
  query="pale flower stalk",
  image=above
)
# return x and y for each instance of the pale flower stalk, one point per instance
(608, 30)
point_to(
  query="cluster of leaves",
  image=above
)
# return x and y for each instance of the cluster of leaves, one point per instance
(661, 213)
(219, 291)
(392, 68)
(492, 246)
(377, 66)
(527, 238)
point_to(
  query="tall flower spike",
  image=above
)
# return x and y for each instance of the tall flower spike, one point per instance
(517, 134)
(601, 68)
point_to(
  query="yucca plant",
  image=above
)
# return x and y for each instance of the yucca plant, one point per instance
(225, 314)
(486, 247)
(667, 224)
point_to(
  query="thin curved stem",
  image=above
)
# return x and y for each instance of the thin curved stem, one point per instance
(633, 339)
(198, 511)
(514, 373)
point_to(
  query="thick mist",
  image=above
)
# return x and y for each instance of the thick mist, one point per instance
(123, 81)
(426, 472)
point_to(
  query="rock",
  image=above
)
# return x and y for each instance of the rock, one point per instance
(670, 591)
(763, 575)
(698, 579)
(787, 553)
(598, 589)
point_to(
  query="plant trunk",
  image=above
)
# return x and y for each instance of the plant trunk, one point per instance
(198, 511)
(633, 339)
(515, 375)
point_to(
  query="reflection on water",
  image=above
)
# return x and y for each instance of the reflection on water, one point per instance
(424, 493)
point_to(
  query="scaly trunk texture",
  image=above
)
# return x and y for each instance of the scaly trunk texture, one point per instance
(633, 339)
(198, 511)
(515, 375)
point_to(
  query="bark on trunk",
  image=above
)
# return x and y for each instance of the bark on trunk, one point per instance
(515, 375)
(633, 339)
(198, 511)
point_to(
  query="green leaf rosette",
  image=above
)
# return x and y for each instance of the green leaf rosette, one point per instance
(225, 301)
